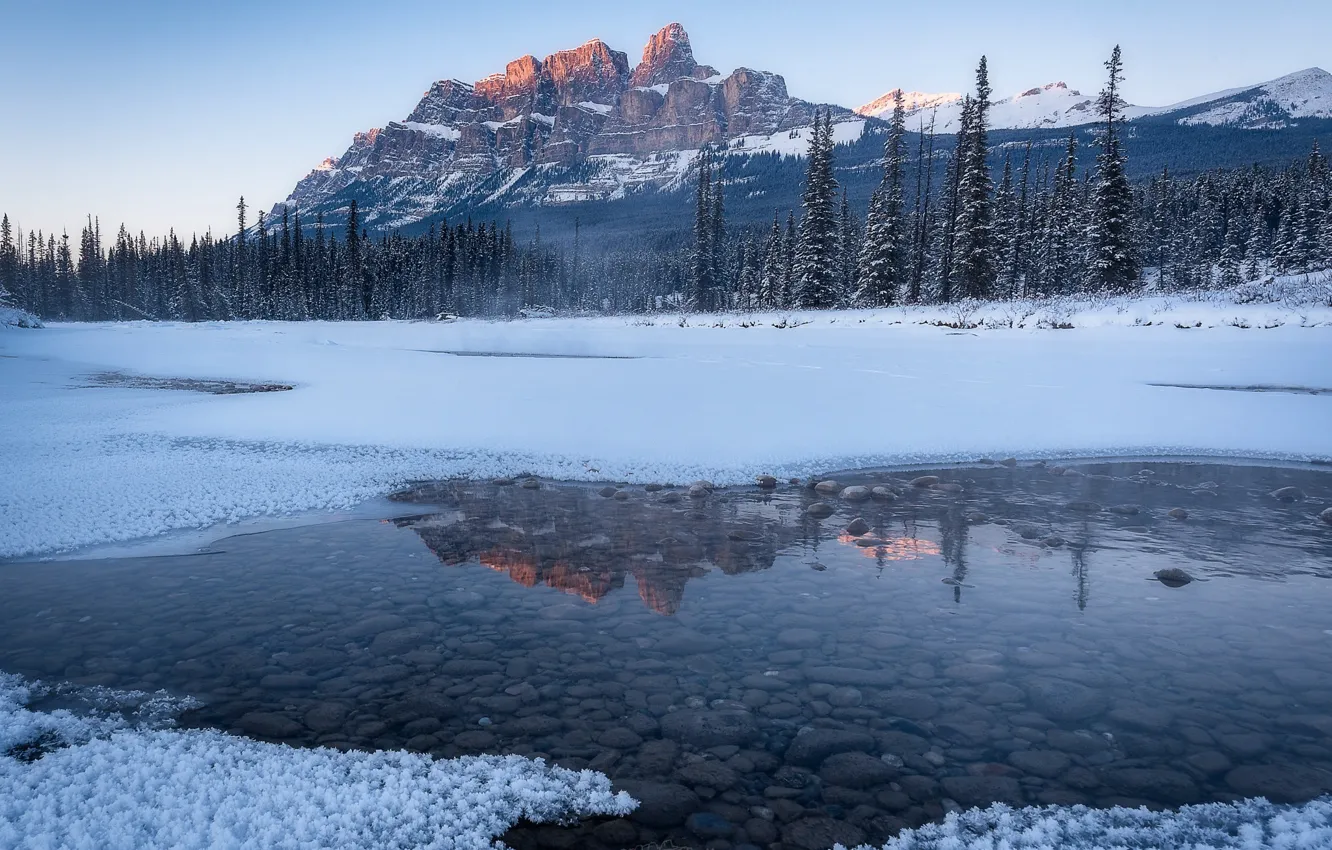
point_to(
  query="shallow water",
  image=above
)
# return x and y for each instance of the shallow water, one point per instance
(754, 675)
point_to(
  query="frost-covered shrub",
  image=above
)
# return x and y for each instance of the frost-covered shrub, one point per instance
(121, 780)
(1299, 290)
(1245, 825)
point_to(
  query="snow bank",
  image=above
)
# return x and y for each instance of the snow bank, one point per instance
(1245, 825)
(128, 781)
(13, 317)
(723, 397)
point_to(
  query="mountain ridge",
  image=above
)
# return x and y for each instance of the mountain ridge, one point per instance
(584, 125)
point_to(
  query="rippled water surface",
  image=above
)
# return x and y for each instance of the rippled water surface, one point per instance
(757, 676)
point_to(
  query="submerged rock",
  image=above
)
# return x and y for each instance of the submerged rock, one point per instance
(1083, 507)
(856, 494)
(1178, 513)
(947, 487)
(884, 494)
(820, 510)
(1288, 494)
(925, 481)
(1326, 516)
(1173, 577)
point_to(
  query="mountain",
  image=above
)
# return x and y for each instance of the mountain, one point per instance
(579, 125)
(1051, 105)
(583, 142)
(1271, 105)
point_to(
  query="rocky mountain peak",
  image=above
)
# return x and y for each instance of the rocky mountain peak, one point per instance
(572, 108)
(667, 57)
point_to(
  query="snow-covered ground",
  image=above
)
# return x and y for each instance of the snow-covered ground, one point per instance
(377, 404)
(648, 398)
(134, 784)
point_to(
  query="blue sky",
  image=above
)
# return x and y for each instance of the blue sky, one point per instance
(160, 114)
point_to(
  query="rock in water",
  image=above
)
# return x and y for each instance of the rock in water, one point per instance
(828, 488)
(767, 482)
(882, 493)
(1173, 577)
(856, 494)
(820, 510)
(1178, 513)
(857, 527)
(1326, 516)
(925, 481)
(1288, 494)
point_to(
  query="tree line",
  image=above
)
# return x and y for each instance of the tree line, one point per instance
(1043, 228)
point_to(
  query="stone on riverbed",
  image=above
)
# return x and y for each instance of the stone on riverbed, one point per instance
(703, 728)
(1173, 577)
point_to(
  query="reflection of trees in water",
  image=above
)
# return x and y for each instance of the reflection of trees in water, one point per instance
(953, 545)
(573, 540)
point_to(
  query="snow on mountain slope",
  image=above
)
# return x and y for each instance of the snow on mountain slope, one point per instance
(1050, 105)
(1270, 105)
(914, 101)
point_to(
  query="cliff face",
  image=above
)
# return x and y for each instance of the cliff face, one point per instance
(564, 110)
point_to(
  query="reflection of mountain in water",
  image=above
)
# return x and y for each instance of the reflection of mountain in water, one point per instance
(574, 540)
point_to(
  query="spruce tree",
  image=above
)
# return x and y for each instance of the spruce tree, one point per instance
(882, 262)
(816, 250)
(976, 260)
(704, 262)
(770, 281)
(1113, 262)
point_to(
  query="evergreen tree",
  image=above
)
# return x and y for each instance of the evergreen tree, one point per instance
(770, 281)
(816, 250)
(976, 260)
(1113, 263)
(704, 261)
(882, 262)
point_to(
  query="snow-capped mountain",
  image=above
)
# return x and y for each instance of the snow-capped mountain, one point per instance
(1274, 104)
(912, 101)
(1271, 105)
(520, 136)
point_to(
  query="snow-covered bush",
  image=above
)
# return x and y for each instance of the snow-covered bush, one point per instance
(113, 779)
(1298, 290)
(1246, 825)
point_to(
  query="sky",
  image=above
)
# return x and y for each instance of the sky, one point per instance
(160, 114)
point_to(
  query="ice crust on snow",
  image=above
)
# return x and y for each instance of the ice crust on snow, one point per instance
(1245, 825)
(725, 398)
(133, 783)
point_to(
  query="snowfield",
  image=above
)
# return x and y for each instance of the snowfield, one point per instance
(663, 398)
(134, 786)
